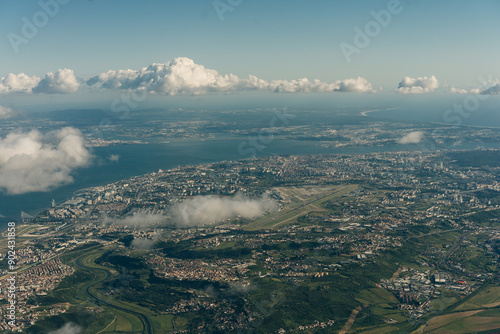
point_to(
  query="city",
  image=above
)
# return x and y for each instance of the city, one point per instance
(406, 236)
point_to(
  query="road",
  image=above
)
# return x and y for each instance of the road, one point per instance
(446, 257)
(144, 319)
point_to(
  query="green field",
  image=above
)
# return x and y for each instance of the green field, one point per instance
(303, 202)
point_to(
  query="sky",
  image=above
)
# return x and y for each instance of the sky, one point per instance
(420, 47)
(432, 61)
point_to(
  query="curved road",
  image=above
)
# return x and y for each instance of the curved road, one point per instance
(145, 321)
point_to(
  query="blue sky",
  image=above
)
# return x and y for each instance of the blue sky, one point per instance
(454, 40)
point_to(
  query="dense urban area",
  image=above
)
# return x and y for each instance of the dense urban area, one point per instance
(377, 243)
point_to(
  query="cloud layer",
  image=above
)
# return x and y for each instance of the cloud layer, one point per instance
(418, 85)
(207, 210)
(33, 161)
(414, 137)
(184, 76)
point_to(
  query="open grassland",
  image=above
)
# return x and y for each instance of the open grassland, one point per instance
(465, 322)
(302, 201)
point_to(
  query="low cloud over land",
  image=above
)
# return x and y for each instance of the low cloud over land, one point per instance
(414, 137)
(207, 210)
(202, 210)
(68, 328)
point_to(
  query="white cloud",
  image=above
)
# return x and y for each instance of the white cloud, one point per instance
(114, 158)
(18, 83)
(418, 85)
(68, 328)
(414, 137)
(454, 90)
(144, 243)
(207, 210)
(180, 76)
(199, 211)
(359, 85)
(61, 82)
(33, 161)
(184, 76)
(6, 112)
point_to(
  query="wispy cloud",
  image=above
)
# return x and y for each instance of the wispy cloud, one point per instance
(201, 211)
(6, 112)
(414, 137)
(207, 210)
(68, 328)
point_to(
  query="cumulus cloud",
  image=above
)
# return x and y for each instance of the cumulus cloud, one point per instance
(18, 83)
(207, 210)
(454, 90)
(184, 76)
(6, 112)
(418, 85)
(180, 76)
(68, 328)
(359, 85)
(414, 137)
(33, 161)
(61, 82)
